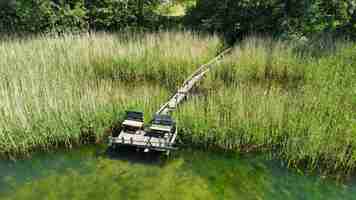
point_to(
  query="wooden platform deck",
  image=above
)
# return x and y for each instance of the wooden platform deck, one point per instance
(141, 140)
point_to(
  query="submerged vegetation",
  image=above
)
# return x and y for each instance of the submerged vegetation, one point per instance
(86, 173)
(295, 99)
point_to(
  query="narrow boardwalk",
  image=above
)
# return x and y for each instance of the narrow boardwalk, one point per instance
(188, 84)
(145, 140)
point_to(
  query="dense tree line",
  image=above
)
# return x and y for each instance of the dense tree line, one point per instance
(75, 15)
(236, 18)
(233, 18)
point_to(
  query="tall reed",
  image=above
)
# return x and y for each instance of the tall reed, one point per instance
(268, 96)
(52, 89)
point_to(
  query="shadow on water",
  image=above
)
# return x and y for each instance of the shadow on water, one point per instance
(133, 156)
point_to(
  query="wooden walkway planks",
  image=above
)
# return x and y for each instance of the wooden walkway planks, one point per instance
(143, 141)
(188, 84)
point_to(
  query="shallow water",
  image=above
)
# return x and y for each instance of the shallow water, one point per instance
(92, 173)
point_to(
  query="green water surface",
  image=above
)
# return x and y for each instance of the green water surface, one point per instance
(91, 173)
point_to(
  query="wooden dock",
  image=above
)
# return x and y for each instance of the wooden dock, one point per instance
(142, 139)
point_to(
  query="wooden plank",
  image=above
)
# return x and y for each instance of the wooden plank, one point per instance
(188, 84)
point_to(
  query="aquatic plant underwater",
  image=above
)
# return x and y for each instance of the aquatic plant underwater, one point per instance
(89, 173)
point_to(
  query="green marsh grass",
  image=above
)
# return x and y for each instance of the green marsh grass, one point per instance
(55, 89)
(267, 95)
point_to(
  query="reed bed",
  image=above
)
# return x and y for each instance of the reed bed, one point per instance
(284, 97)
(166, 58)
(52, 89)
(267, 95)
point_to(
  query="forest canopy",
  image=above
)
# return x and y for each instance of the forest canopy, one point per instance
(276, 17)
(232, 18)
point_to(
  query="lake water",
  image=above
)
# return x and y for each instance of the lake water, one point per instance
(91, 173)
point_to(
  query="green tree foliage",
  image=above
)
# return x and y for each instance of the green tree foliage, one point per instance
(42, 15)
(233, 18)
(74, 15)
(236, 18)
(116, 15)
